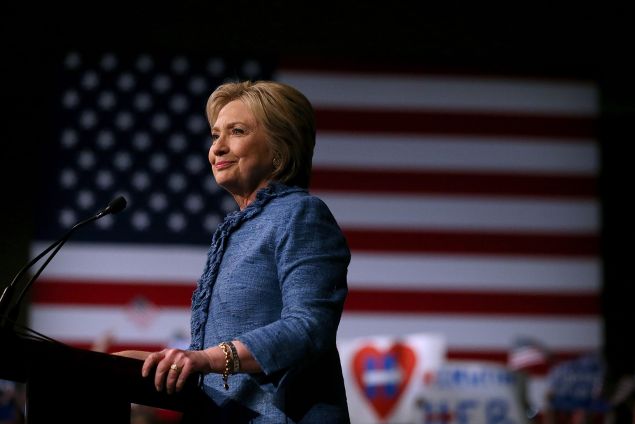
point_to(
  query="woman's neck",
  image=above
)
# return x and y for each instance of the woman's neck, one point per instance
(245, 199)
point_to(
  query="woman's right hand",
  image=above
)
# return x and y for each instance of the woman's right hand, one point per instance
(172, 367)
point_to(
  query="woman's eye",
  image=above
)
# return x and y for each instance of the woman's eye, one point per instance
(215, 137)
(238, 131)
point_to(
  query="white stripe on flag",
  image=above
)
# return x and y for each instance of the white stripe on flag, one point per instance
(463, 213)
(485, 273)
(154, 264)
(177, 265)
(444, 92)
(86, 324)
(557, 333)
(478, 332)
(447, 153)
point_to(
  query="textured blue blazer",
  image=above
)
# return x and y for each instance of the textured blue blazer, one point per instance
(275, 279)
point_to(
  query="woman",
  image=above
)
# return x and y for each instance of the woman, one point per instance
(266, 310)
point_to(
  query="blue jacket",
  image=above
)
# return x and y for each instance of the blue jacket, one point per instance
(275, 279)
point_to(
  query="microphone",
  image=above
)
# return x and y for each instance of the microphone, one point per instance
(7, 312)
(116, 205)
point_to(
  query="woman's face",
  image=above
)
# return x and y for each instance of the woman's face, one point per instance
(240, 155)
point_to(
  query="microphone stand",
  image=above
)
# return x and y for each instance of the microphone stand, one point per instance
(9, 314)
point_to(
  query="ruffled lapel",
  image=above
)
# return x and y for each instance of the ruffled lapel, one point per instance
(202, 295)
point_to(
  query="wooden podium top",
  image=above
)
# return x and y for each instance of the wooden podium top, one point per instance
(58, 372)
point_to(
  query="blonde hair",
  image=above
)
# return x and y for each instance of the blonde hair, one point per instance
(287, 118)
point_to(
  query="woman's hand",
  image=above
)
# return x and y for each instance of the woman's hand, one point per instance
(172, 367)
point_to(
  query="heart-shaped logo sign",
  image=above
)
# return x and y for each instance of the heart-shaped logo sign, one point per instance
(383, 376)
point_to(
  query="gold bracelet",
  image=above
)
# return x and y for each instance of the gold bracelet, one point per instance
(235, 358)
(226, 351)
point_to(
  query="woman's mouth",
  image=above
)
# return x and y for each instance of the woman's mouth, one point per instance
(223, 164)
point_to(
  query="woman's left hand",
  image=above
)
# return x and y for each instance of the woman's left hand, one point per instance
(173, 367)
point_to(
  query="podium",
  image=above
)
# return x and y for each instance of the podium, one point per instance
(70, 385)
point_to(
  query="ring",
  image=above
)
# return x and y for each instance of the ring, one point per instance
(174, 367)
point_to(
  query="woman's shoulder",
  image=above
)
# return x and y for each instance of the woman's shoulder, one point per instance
(286, 205)
(306, 216)
(297, 199)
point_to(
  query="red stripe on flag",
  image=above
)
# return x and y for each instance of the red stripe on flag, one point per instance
(471, 303)
(107, 294)
(448, 183)
(471, 243)
(359, 300)
(456, 123)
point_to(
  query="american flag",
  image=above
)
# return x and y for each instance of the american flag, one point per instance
(469, 201)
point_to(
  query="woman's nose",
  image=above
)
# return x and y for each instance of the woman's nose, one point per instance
(219, 147)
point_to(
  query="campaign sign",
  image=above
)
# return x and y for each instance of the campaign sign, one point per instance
(383, 374)
(577, 385)
(467, 392)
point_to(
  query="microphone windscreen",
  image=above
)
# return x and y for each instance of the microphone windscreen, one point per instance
(117, 205)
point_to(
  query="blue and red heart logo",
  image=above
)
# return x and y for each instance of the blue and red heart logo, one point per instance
(383, 376)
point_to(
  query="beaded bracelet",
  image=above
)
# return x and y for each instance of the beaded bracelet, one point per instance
(235, 358)
(232, 361)
(226, 351)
